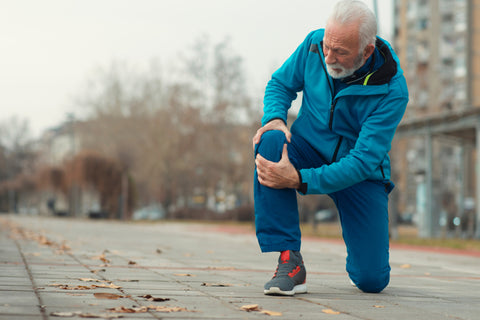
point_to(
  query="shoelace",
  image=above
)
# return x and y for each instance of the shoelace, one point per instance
(284, 269)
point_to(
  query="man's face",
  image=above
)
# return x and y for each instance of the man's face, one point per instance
(341, 48)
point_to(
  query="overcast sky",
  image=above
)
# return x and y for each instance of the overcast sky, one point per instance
(50, 48)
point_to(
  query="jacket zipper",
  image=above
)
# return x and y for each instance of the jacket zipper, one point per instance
(332, 109)
(337, 148)
(331, 86)
(332, 106)
(314, 48)
(383, 173)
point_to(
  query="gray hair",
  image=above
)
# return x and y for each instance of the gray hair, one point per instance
(348, 11)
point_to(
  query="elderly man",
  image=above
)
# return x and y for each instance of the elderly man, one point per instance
(354, 96)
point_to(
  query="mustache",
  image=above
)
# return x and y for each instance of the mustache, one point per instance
(335, 65)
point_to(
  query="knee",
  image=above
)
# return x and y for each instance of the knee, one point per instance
(372, 282)
(273, 136)
(271, 144)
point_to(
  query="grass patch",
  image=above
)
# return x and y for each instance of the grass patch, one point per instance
(451, 243)
(407, 235)
(330, 230)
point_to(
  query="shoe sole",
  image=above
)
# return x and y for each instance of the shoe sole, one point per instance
(275, 291)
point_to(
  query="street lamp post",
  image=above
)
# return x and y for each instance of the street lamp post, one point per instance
(73, 188)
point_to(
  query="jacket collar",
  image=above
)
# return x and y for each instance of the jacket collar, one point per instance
(371, 73)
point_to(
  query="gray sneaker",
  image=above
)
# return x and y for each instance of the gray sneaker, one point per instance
(290, 276)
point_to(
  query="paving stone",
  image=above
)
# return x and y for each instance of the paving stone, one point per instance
(214, 273)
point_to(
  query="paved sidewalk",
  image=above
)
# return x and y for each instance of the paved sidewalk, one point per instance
(62, 268)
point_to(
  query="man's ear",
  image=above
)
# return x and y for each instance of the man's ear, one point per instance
(367, 52)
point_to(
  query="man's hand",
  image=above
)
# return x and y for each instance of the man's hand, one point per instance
(277, 175)
(275, 124)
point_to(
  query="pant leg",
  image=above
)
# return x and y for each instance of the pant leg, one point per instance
(363, 210)
(276, 211)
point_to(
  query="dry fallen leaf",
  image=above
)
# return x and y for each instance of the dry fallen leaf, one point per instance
(271, 313)
(106, 295)
(405, 266)
(102, 258)
(111, 286)
(250, 307)
(206, 284)
(131, 262)
(64, 247)
(85, 315)
(256, 307)
(168, 309)
(64, 314)
(93, 286)
(159, 251)
(69, 287)
(18, 232)
(184, 275)
(90, 280)
(101, 315)
(97, 271)
(330, 311)
(43, 240)
(122, 309)
(144, 309)
(128, 280)
(149, 297)
(380, 307)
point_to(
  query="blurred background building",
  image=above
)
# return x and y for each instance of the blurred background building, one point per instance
(435, 148)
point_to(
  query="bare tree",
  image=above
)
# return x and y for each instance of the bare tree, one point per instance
(218, 75)
(179, 138)
(17, 147)
(17, 160)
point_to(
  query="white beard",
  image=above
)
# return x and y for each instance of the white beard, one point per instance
(339, 74)
(359, 61)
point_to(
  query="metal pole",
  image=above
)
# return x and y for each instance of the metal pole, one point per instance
(73, 206)
(375, 10)
(462, 173)
(124, 193)
(430, 227)
(477, 184)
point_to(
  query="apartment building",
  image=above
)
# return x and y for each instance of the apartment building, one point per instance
(434, 152)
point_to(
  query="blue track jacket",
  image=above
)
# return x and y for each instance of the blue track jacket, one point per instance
(351, 128)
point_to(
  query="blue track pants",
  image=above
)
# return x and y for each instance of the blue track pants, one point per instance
(363, 210)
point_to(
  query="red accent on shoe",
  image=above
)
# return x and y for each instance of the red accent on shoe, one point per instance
(275, 274)
(294, 272)
(285, 256)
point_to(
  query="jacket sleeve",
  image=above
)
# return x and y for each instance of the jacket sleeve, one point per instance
(370, 150)
(285, 83)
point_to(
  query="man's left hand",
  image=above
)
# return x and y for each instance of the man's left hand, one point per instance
(277, 175)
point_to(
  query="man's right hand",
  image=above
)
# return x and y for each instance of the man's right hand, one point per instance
(276, 124)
